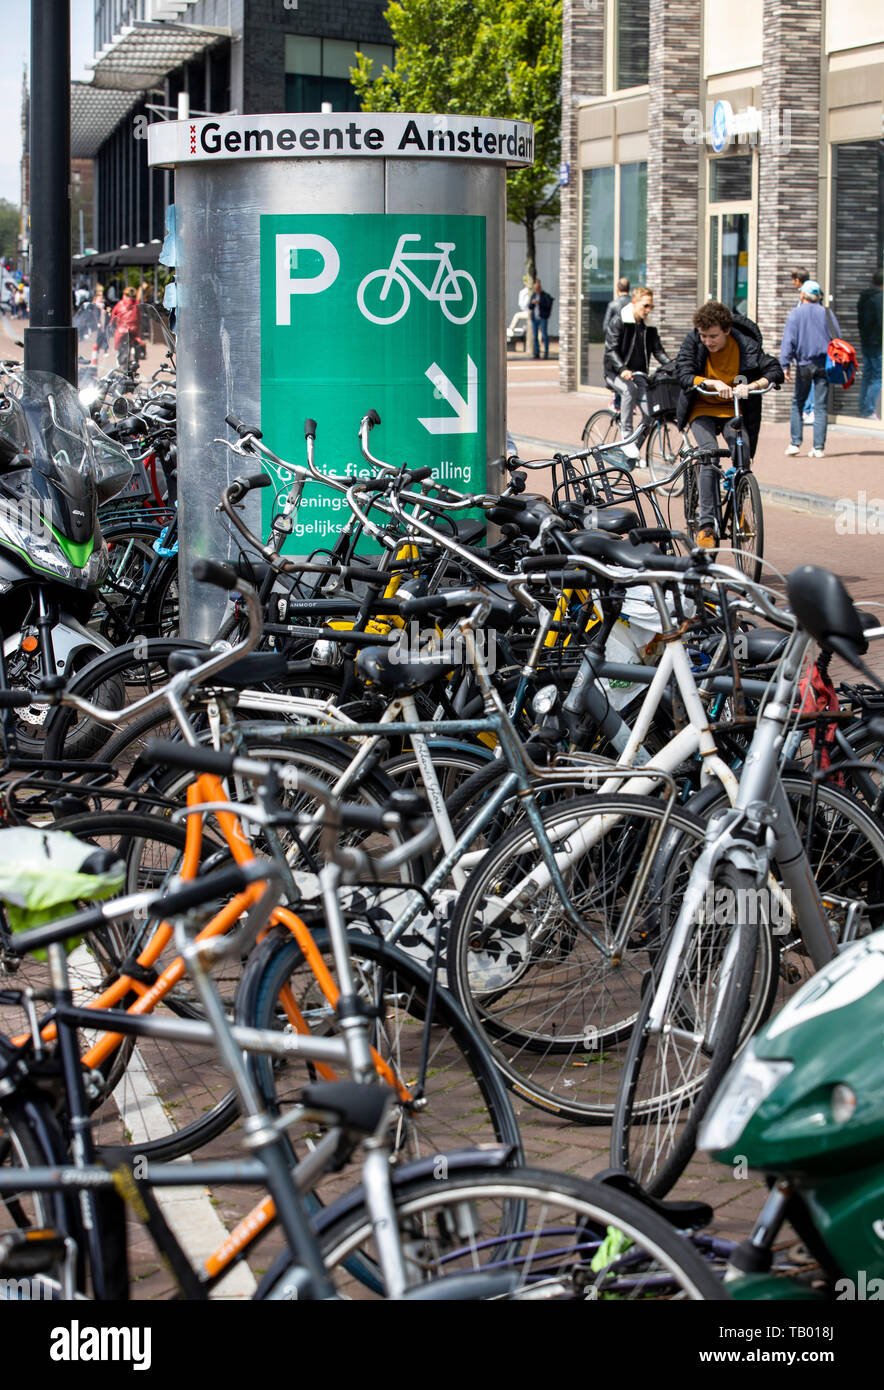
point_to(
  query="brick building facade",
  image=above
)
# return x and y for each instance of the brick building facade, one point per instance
(712, 147)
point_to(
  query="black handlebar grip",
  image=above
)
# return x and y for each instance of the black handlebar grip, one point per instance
(640, 534)
(415, 607)
(210, 572)
(16, 699)
(364, 574)
(365, 817)
(531, 563)
(571, 579)
(309, 429)
(242, 430)
(240, 486)
(373, 419)
(679, 563)
(371, 484)
(419, 475)
(173, 753)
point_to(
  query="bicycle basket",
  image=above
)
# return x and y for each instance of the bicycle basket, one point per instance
(663, 393)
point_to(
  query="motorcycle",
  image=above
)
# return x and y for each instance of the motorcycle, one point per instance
(56, 468)
(804, 1104)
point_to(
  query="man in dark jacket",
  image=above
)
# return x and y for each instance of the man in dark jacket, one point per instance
(630, 343)
(720, 347)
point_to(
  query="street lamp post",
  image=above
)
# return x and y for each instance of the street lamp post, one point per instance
(51, 341)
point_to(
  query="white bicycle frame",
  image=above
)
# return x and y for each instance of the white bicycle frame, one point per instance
(399, 266)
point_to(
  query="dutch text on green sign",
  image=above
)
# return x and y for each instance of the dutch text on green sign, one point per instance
(372, 311)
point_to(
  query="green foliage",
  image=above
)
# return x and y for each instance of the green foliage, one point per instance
(9, 224)
(481, 58)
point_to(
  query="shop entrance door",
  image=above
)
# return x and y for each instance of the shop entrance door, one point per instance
(731, 258)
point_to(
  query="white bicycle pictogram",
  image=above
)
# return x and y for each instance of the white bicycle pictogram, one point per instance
(454, 290)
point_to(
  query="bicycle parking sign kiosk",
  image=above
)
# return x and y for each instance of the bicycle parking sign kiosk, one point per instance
(328, 264)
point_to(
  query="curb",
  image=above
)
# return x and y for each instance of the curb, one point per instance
(790, 498)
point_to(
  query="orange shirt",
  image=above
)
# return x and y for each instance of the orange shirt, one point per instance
(720, 366)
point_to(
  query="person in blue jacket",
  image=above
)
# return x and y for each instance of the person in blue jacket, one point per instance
(809, 330)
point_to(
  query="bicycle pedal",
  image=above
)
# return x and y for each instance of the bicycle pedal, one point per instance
(24, 1253)
(789, 972)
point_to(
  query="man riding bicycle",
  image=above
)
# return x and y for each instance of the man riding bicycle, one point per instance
(720, 347)
(630, 343)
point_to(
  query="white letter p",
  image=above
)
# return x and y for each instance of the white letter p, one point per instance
(288, 284)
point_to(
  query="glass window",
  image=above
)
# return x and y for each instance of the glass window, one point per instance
(303, 55)
(338, 57)
(730, 179)
(713, 257)
(597, 269)
(633, 223)
(381, 55)
(318, 70)
(857, 256)
(735, 261)
(632, 36)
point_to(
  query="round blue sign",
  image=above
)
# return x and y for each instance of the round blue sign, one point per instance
(720, 123)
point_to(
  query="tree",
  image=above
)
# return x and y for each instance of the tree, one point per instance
(482, 58)
(9, 226)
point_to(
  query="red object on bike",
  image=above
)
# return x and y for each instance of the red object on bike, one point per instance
(818, 696)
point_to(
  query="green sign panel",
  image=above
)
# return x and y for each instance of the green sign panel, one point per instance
(373, 311)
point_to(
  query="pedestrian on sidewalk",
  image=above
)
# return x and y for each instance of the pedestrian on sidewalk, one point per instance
(617, 305)
(630, 343)
(540, 305)
(522, 317)
(869, 318)
(721, 347)
(809, 329)
(125, 320)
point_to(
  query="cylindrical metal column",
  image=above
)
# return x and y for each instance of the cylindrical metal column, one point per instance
(225, 262)
(51, 341)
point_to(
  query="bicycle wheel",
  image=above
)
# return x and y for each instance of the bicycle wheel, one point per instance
(160, 1098)
(601, 428)
(522, 1233)
(19, 1148)
(32, 723)
(465, 293)
(670, 1076)
(553, 1007)
(747, 526)
(21, 1210)
(324, 759)
(130, 557)
(383, 309)
(661, 455)
(461, 1101)
(162, 609)
(130, 671)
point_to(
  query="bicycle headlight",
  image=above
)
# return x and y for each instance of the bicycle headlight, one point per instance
(748, 1083)
(36, 545)
(545, 700)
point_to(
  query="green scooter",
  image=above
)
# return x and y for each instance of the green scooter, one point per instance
(804, 1104)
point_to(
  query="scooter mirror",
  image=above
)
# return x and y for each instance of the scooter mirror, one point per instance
(120, 407)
